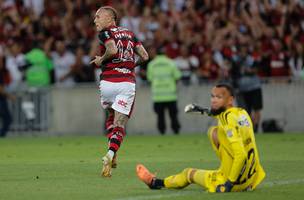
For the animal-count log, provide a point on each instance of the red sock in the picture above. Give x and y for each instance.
(116, 138)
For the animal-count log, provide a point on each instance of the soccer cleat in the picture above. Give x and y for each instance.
(114, 161)
(107, 166)
(144, 175)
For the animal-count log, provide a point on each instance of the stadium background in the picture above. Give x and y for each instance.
(202, 37)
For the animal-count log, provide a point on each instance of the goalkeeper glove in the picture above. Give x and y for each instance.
(226, 187)
(192, 108)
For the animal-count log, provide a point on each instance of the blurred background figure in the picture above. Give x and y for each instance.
(39, 68)
(5, 114)
(208, 69)
(296, 61)
(63, 61)
(187, 30)
(248, 84)
(14, 62)
(81, 70)
(163, 75)
(186, 64)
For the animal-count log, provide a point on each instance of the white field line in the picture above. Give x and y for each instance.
(282, 182)
(185, 193)
(158, 196)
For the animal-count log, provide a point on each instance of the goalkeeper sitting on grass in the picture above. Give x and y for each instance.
(233, 142)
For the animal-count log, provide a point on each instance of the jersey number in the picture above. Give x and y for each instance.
(247, 173)
(124, 54)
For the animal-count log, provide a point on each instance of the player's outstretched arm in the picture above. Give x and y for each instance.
(193, 108)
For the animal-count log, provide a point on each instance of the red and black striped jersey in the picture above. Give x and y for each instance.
(120, 68)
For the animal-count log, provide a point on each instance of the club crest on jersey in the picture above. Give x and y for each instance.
(229, 133)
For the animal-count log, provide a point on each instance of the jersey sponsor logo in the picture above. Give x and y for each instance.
(243, 121)
(122, 70)
(122, 103)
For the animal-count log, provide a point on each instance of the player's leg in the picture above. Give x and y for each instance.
(257, 106)
(180, 180)
(109, 120)
(118, 133)
(122, 106)
(159, 109)
(173, 113)
(6, 118)
(256, 117)
(109, 124)
(247, 97)
(115, 140)
(107, 97)
(208, 179)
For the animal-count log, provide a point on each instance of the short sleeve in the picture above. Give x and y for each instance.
(104, 36)
(136, 41)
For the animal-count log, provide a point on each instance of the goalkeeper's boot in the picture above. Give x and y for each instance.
(114, 161)
(107, 166)
(145, 176)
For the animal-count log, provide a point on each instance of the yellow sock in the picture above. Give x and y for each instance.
(188, 176)
(177, 181)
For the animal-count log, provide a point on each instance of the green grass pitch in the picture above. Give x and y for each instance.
(68, 167)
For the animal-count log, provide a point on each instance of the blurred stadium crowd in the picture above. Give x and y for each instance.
(45, 42)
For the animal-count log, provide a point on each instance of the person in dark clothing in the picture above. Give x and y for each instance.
(249, 84)
(4, 96)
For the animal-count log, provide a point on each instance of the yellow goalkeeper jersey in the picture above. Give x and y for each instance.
(241, 164)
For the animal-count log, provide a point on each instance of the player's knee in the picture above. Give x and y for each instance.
(212, 134)
(186, 171)
(120, 120)
(189, 173)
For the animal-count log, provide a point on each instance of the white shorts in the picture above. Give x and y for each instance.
(119, 96)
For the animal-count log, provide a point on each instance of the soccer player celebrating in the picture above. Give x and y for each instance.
(233, 142)
(117, 80)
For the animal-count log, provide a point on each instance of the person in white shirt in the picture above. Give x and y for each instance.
(63, 61)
